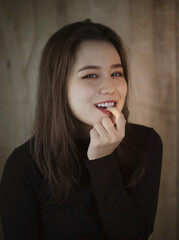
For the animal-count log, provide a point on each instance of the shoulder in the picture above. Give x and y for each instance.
(20, 177)
(150, 139)
(21, 160)
(144, 133)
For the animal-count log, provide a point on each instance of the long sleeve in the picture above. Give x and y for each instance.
(17, 199)
(127, 214)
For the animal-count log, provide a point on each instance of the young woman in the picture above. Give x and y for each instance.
(86, 173)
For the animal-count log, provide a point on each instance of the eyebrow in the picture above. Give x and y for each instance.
(117, 65)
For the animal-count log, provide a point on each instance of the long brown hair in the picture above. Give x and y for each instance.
(55, 151)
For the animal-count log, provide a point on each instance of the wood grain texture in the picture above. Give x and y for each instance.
(148, 28)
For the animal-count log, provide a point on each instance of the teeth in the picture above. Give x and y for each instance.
(111, 104)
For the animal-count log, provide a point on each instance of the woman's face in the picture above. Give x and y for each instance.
(97, 76)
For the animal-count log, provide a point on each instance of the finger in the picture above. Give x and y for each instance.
(115, 112)
(108, 124)
(120, 123)
(100, 129)
(94, 134)
(119, 106)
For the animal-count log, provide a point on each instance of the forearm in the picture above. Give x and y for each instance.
(119, 215)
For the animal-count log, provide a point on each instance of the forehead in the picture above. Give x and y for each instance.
(94, 52)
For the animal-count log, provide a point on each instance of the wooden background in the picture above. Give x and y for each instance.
(149, 29)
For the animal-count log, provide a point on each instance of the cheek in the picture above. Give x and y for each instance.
(88, 92)
(80, 94)
(122, 88)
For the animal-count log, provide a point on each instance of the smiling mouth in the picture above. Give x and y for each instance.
(105, 107)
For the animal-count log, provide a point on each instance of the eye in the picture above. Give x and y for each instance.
(90, 76)
(118, 74)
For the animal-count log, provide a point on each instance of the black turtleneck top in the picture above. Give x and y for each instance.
(101, 208)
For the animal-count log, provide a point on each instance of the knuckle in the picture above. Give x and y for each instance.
(105, 120)
(92, 131)
(96, 125)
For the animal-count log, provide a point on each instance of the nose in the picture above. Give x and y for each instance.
(107, 87)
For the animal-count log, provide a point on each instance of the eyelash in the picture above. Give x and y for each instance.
(94, 75)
